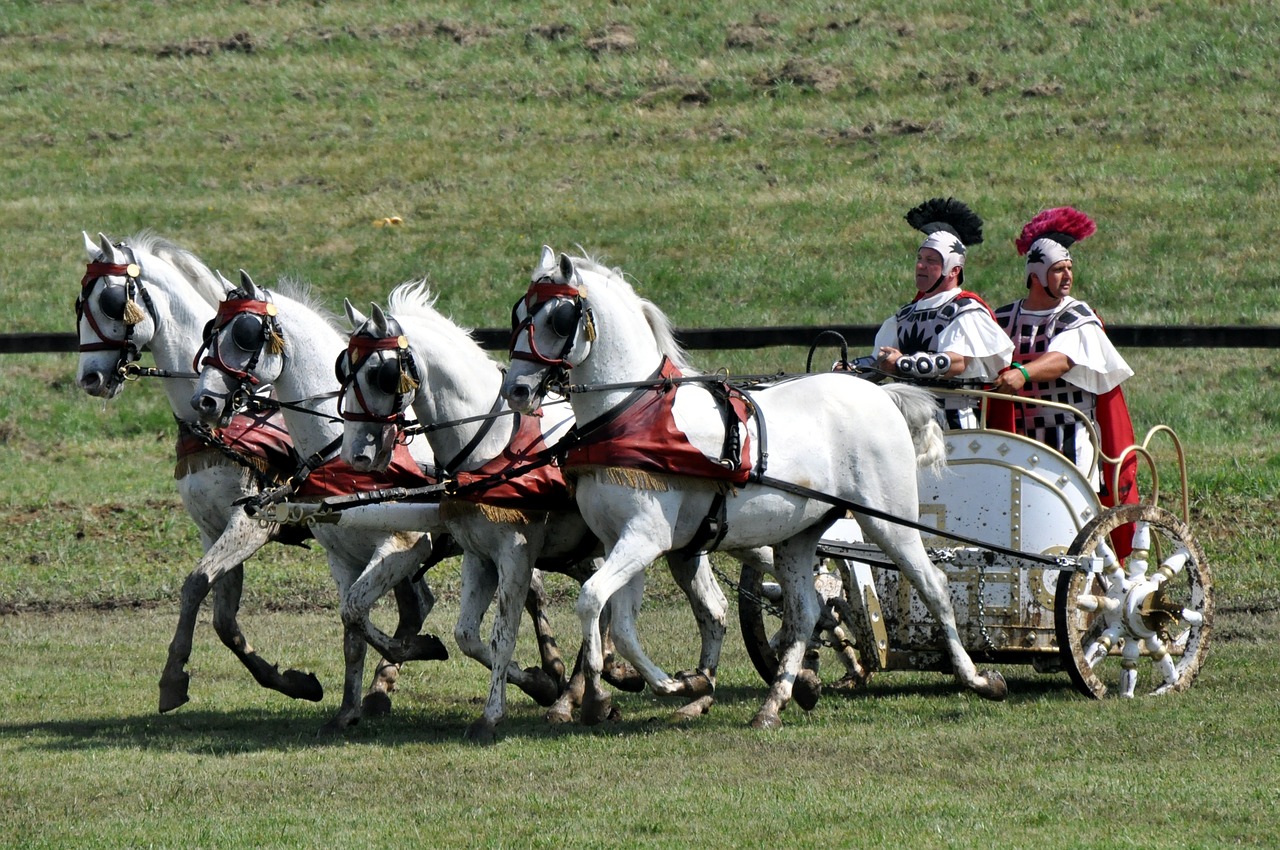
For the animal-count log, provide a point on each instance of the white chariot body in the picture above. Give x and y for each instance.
(1079, 609)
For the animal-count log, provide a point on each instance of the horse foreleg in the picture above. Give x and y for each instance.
(514, 581)
(389, 568)
(242, 537)
(226, 605)
(349, 713)
(624, 580)
(793, 566)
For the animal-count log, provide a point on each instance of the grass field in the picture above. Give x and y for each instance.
(746, 167)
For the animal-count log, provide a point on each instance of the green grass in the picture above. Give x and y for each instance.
(912, 762)
(745, 167)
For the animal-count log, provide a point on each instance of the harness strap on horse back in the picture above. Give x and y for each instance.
(810, 493)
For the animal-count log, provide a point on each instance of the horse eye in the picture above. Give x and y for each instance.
(387, 378)
(246, 333)
(564, 319)
(111, 302)
(342, 368)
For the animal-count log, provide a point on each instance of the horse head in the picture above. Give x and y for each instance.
(552, 330)
(380, 379)
(115, 317)
(244, 351)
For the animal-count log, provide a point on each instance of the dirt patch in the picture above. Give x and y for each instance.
(241, 42)
(554, 32)
(616, 38)
(747, 37)
(1044, 90)
(874, 132)
(804, 74)
(680, 94)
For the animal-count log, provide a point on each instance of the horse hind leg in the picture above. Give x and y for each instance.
(793, 567)
(904, 547)
(536, 604)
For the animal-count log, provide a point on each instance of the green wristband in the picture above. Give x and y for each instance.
(1023, 370)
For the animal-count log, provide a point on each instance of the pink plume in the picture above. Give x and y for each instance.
(1063, 221)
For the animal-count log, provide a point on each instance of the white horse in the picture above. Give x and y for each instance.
(831, 433)
(416, 356)
(149, 294)
(259, 338)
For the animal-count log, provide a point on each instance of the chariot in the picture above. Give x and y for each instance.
(1117, 626)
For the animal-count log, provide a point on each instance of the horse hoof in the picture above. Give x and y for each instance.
(376, 704)
(173, 692)
(428, 648)
(541, 687)
(301, 685)
(481, 732)
(695, 684)
(807, 689)
(596, 708)
(697, 708)
(996, 689)
(559, 714)
(624, 677)
(766, 720)
(341, 722)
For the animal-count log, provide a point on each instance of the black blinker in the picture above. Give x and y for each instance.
(564, 318)
(246, 333)
(387, 378)
(112, 300)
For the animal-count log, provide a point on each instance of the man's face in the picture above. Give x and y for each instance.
(1058, 280)
(929, 269)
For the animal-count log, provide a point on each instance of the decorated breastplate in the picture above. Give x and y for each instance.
(1031, 334)
(919, 329)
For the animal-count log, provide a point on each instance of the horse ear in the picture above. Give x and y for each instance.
(108, 250)
(546, 262)
(379, 319)
(227, 286)
(251, 289)
(354, 316)
(567, 270)
(90, 249)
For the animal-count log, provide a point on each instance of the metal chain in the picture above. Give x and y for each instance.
(765, 605)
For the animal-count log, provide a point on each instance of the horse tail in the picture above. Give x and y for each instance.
(924, 419)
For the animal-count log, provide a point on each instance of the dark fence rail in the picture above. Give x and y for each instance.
(858, 336)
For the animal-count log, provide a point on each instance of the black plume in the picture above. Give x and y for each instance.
(947, 214)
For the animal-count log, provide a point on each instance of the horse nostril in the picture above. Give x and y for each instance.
(519, 394)
(204, 404)
(91, 381)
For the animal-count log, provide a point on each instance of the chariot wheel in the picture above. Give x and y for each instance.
(835, 655)
(1142, 625)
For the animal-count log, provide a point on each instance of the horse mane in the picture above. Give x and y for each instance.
(193, 270)
(659, 324)
(300, 291)
(415, 298)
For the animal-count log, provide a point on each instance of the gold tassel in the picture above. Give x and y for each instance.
(275, 342)
(636, 479)
(494, 513)
(133, 314)
(407, 383)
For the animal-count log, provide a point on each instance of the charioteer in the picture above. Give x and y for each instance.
(946, 331)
